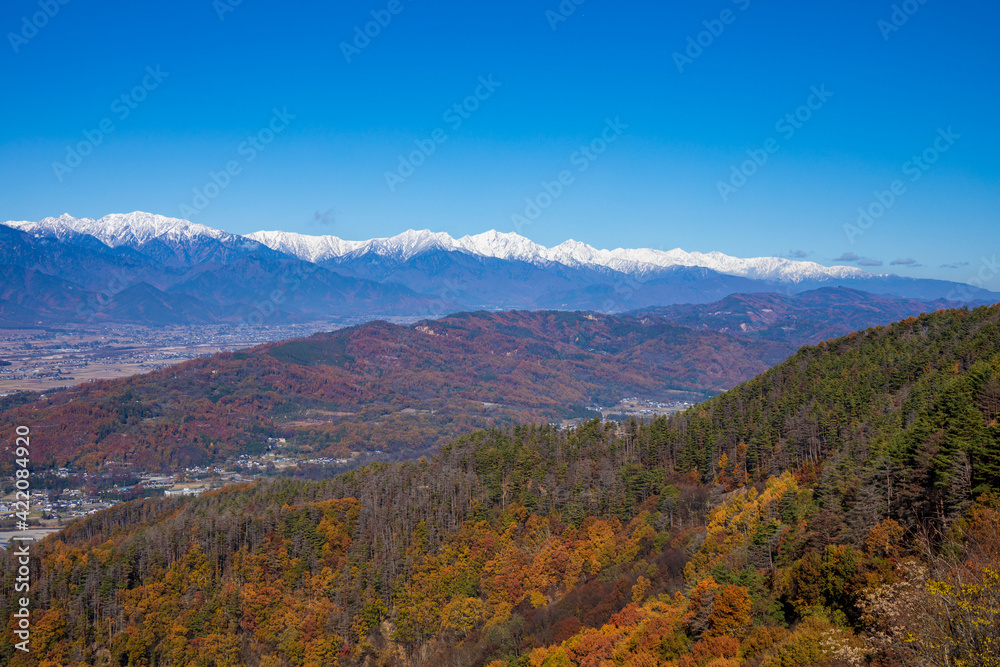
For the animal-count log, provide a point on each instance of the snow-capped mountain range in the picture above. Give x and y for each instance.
(138, 228)
(512, 246)
(122, 229)
(145, 263)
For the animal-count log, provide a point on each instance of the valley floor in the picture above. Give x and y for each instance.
(46, 358)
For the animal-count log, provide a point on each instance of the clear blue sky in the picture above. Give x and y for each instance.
(657, 185)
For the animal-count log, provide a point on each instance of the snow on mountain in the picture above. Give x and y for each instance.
(511, 246)
(138, 228)
(308, 248)
(406, 245)
(131, 229)
(758, 268)
(403, 246)
(508, 246)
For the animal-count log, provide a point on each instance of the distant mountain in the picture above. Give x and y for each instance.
(170, 241)
(513, 247)
(484, 268)
(150, 269)
(283, 276)
(128, 229)
(285, 289)
(798, 319)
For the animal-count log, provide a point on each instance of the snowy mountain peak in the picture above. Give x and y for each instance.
(500, 245)
(410, 243)
(309, 248)
(118, 229)
(514, 247)
(576, 253)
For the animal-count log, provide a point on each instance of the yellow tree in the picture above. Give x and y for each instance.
(730, 611)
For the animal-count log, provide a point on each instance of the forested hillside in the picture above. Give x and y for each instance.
(840, 509)
(801, 319)
(916, 402)
(408, 389)
(400, 389)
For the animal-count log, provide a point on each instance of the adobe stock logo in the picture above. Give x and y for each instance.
(914, 168)
(122, 107)
(455, 116)
(223, 7)
(363, 35)
(989, 269)
(581, 160)
(899, 17)
(696, 44)
(787, 126)
(248, 149)
(562, 13)
(31, 25)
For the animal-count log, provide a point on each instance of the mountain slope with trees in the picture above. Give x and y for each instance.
(407, 389)
(840, 509)
(918, 400)
(399, 389)
(799, 319)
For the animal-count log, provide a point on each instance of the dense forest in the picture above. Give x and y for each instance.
(841, 509)
(399, 389)
(409, 389)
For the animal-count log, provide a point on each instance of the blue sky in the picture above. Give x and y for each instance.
(668, 125)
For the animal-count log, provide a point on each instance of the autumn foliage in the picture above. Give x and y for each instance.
(853, 521)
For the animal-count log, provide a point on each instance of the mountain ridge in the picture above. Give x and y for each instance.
(512, 246)
(139, 227)
(415, 274)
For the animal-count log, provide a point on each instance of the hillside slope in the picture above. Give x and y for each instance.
(799, 319)
(382, 386)
(409, 388)
(919, 399)
(633, 544)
